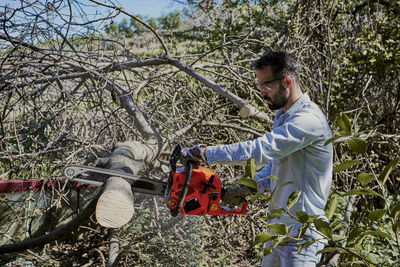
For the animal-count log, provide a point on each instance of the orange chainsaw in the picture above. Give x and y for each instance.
(190, 191)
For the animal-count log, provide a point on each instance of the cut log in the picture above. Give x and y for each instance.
(115, 205)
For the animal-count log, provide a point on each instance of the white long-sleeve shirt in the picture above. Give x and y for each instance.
(293, 151)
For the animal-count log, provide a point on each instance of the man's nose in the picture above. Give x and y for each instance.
(264, 92)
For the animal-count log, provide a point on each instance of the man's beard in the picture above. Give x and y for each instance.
(279, 100)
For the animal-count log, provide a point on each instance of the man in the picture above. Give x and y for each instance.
(294, 152)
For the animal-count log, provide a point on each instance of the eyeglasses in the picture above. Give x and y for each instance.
(266, 84)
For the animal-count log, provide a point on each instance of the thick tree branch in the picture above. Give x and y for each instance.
(246, 109)
(125, 100)
(232, 126)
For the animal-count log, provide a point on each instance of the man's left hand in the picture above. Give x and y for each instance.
(236, 194)
(194, 154)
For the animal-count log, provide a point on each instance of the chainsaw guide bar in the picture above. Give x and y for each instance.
(97, 176)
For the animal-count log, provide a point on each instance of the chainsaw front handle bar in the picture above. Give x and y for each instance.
(185, 188)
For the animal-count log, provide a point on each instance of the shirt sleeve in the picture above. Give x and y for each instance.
(297, 132)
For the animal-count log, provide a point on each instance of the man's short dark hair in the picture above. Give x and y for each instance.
(282, 64)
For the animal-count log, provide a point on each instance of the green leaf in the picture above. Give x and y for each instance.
(329, 249)
(267, 251)
(376, 215)
(275, 214)
(395, 212)
(365, 178)
(396, 227)
(355, 233)
(306, 245)
(331, 207)
(247, 182)
(283, 241)
(344, 122)
(362, 192)
(276, 211)
(339, 225)
(302, 216)
(263, 237)
(293, 198)
(338, 238)
(278, 228)
(266, 197)
(311, 218)
(384, 175)
(377, 233)
(323, 227)
(253, 198)
(251, 168)
(345, 165)
(302, 230)
(358, 145)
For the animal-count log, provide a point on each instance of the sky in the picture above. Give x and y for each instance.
(150, 8)
(84, 10)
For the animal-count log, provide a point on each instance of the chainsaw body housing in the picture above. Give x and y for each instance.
(203, 195)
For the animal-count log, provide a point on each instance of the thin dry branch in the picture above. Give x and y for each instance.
(137, 19)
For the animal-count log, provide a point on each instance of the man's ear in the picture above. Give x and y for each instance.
(287, 82)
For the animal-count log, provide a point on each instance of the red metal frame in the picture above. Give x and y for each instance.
(21, 186)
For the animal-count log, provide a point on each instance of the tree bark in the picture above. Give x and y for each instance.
(114, 250)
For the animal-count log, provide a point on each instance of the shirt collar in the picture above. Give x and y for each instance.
(296, 106)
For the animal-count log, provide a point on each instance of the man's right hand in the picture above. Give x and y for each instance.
(236, 194)
(194, 154)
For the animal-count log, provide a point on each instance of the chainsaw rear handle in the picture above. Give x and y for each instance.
(234, 211)
(185, 188)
